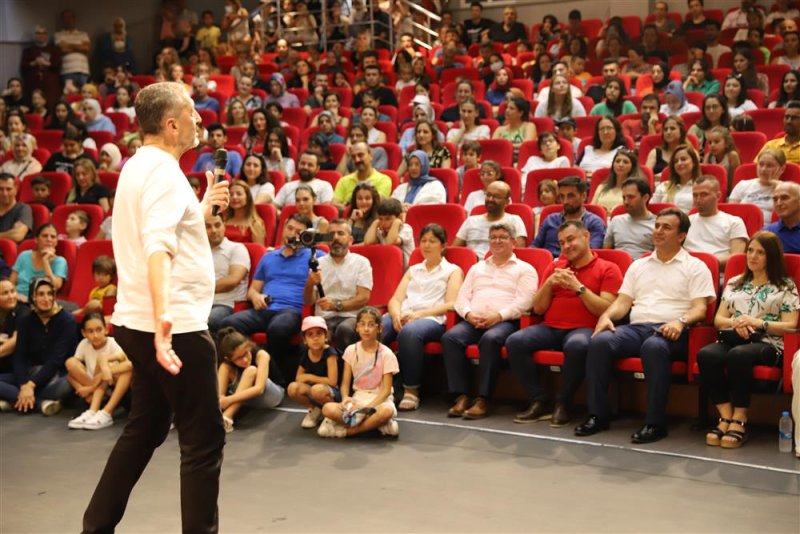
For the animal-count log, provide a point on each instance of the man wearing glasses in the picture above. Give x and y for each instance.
(789, 144)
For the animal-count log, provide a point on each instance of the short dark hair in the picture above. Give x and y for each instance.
(641, 185)
(573, 181)
(104, 265)
(302, 219)
(476, 4)
(575, 14)
(214, 126)
(390, 206)
(578, 224)
(651, 96)
(712, 22)
(610, 61)
(436, 230)
(5, 176)
(684, 222)
(41, 180)
(793, 104)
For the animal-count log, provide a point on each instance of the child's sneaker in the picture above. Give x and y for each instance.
(227, 422)
(329, 429)
(311, 420)
(390, 429)
(78, 422)
(51, 407)
(101, 419)
(6, 406)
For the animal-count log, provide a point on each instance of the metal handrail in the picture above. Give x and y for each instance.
(427, 30)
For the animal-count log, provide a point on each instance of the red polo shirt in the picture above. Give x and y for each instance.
(567, 310)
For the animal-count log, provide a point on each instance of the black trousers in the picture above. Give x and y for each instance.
(190, 397)
(727, 372)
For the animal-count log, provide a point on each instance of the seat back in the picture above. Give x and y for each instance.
(328, 211)
(464, 257)
(748, 144)
(95, 213)
(60, 185)
(768, 121)
(8, 251)
(83, 278)
(449, 178)
(499, 150)
(448, 216)
(621, 257)
(531, 197)
(387, 267)
(256, 252)
(269, 215)
(48, 139)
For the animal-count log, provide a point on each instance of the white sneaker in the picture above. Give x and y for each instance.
(78, 422)
(390, 429)
(101, 419)
(51, 407)
(329, 429)
(227, 423)
(312, 418)
(6, 406)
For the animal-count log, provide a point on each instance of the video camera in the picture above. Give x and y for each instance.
(310, 239)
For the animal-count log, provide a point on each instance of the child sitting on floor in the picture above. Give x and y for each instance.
(369, 367)
(243, 376)
(98, 364)
(317, 379)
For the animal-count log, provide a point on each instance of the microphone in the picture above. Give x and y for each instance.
(220, 162)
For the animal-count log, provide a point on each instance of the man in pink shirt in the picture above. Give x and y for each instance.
(495, 293)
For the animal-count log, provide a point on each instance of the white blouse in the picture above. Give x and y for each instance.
(427, 288)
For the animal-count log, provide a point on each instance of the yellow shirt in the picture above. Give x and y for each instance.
(792, 151)
(99, 293)
(347, 184)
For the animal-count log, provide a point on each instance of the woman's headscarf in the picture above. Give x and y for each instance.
(35, 284)
(675, 88)
(113, 151)
(663, 83)
(29, 141)
(429, 111)
(416, 184)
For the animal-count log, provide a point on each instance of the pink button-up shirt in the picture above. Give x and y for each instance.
(507, 289)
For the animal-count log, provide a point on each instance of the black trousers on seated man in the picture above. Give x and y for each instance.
(190, 399)
(657, 354)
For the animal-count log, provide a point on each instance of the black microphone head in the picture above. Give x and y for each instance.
(220, 158)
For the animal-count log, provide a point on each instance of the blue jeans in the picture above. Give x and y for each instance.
(57, 389)
(411, 344)
(490, 342)
(657, 355)
(279, 326)
(218, 313)
(574, 343)
(78, 78)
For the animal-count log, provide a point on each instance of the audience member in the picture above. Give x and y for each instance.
(362, 159)
(713, 47)
(758, 191)
(575, 290)
(474, 232)
(390, 228)
(786, 205)
(16, 218)
(40, 65)
(607, 139)
(217, 138)
(495, 293)
(789, 144)
(231, 265)
(307, 168)
(22, 162)
(673, 135)
(665, 293)
(684, 169)
(509, 30)
(71, 152)
(632, 231)
(87, 188)
(648, 124)
(74, 45)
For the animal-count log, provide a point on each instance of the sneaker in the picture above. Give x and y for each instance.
(390, 429)
(51, 407)
(79, 421)
(329, 429)
(6, 406)
(311, 420)
(102, 419)
(227, 423)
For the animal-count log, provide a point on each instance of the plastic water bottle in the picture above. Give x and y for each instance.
(785, 433)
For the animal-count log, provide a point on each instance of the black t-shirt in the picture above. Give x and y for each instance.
(93, 195)
(20, 212)
(516, 33)
(61, 163)
(473, 30)
(451, 114)
(385, 97)
(319, 368)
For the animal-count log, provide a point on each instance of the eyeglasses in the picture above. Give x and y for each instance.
(499, 238)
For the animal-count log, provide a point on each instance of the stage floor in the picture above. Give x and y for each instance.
(440, 475)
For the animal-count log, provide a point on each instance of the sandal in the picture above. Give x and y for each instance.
(714, 436)
(409, 403)
(739, 437)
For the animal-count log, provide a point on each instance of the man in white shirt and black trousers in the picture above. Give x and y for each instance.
(166, 288)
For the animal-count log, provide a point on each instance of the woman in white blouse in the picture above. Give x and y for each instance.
(560, 103)
(758, 191)
(417, 309)
(608, 138)
(736, 93)
(549, 146)
(471, 129)
(22, 162)
(684, 169)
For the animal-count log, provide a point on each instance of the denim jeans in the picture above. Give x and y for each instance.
(57, 389)
(411, 344)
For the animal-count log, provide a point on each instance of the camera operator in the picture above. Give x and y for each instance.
(346, 280)
(276, 294)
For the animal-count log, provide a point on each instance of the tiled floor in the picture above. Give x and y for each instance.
(441, 475)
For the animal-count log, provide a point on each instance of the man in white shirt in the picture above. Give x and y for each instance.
(632, 231)
(713, 46)
(346, 280)
(75, 45)
(166, 289)
(738, 19)
(474, 232)
(495, 293)
(307, 168)
(665, 293)
(713, 231)
(231, 265)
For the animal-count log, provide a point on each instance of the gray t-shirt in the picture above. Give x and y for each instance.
(634, 236)
(20, 212)
(285, 196)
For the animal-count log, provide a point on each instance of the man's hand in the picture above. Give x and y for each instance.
(217, 194)
(490, 320)
(672, 330)
(326, 304)
(260, 302)
(566, 279)
(397, 322)
(26, 399)
(314, 278)
(163, 342)
(604, 323)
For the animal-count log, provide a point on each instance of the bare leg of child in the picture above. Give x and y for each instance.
(97, 396)
(300, 392)
(321, 394)
(381, 416)
(78, 378)
(122, 382)
(247, 380)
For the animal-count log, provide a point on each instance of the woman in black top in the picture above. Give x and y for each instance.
(87, 188)
(11, 312)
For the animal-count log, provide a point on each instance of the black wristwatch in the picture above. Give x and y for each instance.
(765, 326)
(337, 305)
(581, 290)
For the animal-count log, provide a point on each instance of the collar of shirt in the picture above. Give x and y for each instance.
(588, 264)
(783, 226)
(680, 256)
(785, 143)
(511, 260)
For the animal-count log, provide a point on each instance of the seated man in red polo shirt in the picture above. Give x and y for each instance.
(576, 289)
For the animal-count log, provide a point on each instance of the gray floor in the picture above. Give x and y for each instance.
(441, 475)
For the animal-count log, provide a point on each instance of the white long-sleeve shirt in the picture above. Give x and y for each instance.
(157, 211)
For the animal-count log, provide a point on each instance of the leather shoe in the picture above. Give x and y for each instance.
(591, 426)
(478, 410)
(537, 411)
(460, 406)
(649, 434)
(560, 416)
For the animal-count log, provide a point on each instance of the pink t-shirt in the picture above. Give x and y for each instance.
(369, 367)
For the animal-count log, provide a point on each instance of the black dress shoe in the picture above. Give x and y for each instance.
(560, 416)
(591, 426)
(537, 411)
(649, 434)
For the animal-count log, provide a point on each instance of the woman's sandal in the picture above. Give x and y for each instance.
(739, 437)
(410, 402)
(714, 436)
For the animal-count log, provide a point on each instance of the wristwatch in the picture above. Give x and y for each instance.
(337, 305)
(683, 320)
(581, 290)
(765, 326)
